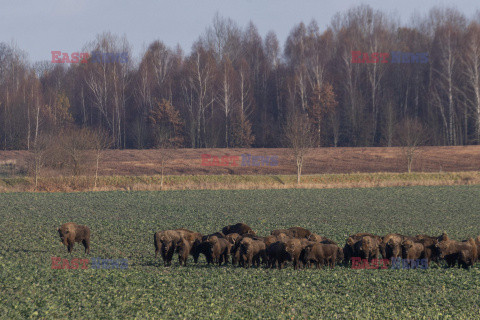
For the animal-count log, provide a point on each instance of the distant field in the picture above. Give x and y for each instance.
(319, 161)
(323, 168)
(123, 224)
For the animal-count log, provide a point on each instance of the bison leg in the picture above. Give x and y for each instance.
(86, 244)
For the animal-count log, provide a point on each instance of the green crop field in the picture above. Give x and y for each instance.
(123, 224)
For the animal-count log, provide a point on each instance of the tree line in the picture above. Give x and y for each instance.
(237, 89)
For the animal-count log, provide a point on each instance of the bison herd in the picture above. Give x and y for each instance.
(239, 244)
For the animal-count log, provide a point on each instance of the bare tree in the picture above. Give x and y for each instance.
(100, 142)
(471, 61)
(299, 138)
(166, 126)
(76, 146)
(38, 155)
(410, 136)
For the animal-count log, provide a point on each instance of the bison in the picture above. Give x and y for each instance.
(277, 254)
(251, 251)
(165, 242)
(293, 232)
(294, 248)
(183, 249)
(465, 252)
(219, 249)
(70, 233)
(412, 250)
(352, 248)
(240, 228)
(323, 254)
(391, 245)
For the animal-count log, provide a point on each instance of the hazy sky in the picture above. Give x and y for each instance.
(41, 26)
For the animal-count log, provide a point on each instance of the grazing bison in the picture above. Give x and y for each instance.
(293, 232)
(299, 232)
(240, 228)
(279, 231)
(323, 254)
(318, 238)
(219, 249)
(251, 251)
(71, 233)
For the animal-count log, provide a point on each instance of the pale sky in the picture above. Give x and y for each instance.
(41, 26)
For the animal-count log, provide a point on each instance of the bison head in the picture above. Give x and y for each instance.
(212, 240)
(442, 248)
(63, 233)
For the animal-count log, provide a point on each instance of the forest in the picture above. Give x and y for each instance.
(235, 88)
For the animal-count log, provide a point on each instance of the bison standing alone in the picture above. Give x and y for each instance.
(71, 233)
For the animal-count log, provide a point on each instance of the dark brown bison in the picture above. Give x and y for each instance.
(201, 247)
(477, 242)
(294, 248)
(240, 228)
(293, 232)
(323, 254)
(391, 245)
(268, 240)
(183, 249)
(429, 243)
(252, 251)
(190, 236)
(315, 237)
(71, 233)
(235, 251)
(465, 252)
(368, 247)
(233, 237)
(277, 255)
(165, 242)
(412, 250)
(466, 258)
(279, 231)
(219, 249)
(274, 238)
(299, 232)
(351, 249)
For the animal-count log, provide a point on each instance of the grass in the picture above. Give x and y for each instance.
(123, 223)
(216, 182)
